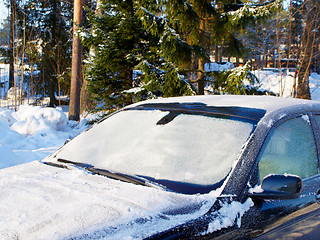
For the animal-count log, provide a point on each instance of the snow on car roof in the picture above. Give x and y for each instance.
(267, 103)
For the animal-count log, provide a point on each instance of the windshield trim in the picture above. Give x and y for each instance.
(250, 115)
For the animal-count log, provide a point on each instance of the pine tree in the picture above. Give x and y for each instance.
(74, 106)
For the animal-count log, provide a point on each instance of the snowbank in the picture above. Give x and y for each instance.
(32, 133)
(283, 85)
(4, 78)
(274, 82)
(314, 84)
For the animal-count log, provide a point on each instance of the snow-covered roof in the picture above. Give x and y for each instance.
(218, 67)
(267, 103)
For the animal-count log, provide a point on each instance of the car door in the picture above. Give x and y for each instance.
(290, 149)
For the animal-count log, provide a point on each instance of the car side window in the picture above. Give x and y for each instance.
(317, 117)
(291, 149)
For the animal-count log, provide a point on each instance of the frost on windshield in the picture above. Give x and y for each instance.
(189, 148)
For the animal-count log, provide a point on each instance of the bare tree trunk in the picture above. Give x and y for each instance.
(74, 107)
(201, 76)
(201, 63)
(51, 89)
(59, 84)
(216, 53)
(282, 83)
(11, 61)
(22, 60)
(307, 47)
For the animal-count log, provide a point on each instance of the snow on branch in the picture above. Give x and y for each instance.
(150, 21)
(252, 11)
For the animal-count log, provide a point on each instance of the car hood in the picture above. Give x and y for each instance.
(38, 201)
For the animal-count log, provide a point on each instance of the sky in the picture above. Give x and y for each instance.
(3, 11)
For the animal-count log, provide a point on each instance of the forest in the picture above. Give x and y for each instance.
(133, 50)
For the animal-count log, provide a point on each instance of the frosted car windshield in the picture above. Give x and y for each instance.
(162, 146)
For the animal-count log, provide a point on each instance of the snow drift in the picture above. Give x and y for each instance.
(32, 133)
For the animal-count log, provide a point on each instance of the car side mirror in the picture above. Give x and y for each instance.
(279, 187)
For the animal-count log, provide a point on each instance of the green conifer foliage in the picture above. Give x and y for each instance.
(114, 37)
(127, 55)
(190, 29)
(158, 46)
(232, 81)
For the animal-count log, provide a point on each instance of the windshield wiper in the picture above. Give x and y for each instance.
(106, 173)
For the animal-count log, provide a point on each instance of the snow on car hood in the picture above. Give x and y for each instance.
(38, 201)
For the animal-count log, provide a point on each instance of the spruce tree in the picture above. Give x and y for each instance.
(124, 48)
(196, 26)
(169, 41)
(114, 36)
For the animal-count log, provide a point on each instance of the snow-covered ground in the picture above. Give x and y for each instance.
(282, 85)
(314, 80)
(273, 82)
(32, 133)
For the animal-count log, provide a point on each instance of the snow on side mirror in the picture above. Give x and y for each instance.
(278, 187)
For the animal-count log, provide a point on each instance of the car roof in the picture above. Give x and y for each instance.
(267, 103)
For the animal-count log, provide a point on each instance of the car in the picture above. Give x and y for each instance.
(200, 167)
